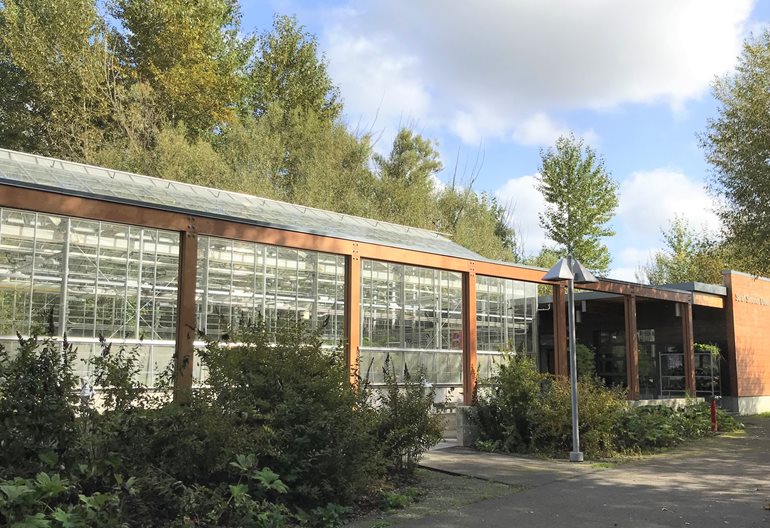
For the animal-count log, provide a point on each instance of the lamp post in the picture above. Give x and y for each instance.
(573, 272)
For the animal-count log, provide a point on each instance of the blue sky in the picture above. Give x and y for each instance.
(502, 79)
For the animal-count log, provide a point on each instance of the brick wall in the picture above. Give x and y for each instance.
(747, 310)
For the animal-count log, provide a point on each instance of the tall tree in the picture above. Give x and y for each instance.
(405, 190)
(57, 76)
(478, 222)
(737, 145)
(191, 53)
(581, 199)
(290, 72)
(688, 255)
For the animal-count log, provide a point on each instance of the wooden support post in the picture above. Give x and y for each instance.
(470, 364)
(559, 331)
(353, 313)
(185, 319)
(632, 348)
(688, 347)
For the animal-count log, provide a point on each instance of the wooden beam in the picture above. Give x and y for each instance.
(632, 348)
(353, 314)
(559, 331)
(186, 322)
(470, 363)
(156, 217)
(638, 290)
(707, 299)
(688, 347)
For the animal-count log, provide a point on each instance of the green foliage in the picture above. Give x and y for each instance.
(405, 186)
(688, 256)
(37, 401)
(278, 436)
(600, 411)
(49, 500)
(57, 71)
(399, 499)
(478, 222)
(289, 74)
(290, 400)
(523, 410)
(502, 411)
(191, 54)
(737, 145)
(407, 425)
(117, 371)
(653, 427)
(586, 361)
(581, 199)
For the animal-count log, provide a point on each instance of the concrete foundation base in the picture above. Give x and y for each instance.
(746, 405)
(467, 431)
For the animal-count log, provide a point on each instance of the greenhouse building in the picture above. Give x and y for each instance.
(91, 252)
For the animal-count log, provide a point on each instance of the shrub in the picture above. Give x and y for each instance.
(290, 399)
(407, 425)
(317, 443)
(37, 402)
(116, 373)
(586, 361)
(652, 427)
(600, 409)
(503, 409)
(523, 410)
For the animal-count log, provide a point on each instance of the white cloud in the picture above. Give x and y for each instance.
(541, 130)
(626, 262)
(379, 88)
(624, 273)
(483, 69)
(526, 203)
(649, 200)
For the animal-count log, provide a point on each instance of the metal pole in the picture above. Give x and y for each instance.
(575, 455)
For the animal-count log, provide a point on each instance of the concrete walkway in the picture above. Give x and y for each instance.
(717, 482)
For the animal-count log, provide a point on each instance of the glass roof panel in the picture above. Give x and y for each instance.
(26, 170)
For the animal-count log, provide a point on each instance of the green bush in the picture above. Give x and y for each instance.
(503, 409)
(407, 425)
(290, 399)
(653, 427)
(586, 361)
(278, 436)
(522, 410)
(600, 409)
(37, 404)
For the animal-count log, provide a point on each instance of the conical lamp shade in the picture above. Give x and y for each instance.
(559, 272)
(582, 275)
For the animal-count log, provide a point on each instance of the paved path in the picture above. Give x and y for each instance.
(717, 482)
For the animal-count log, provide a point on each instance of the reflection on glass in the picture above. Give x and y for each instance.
(413, 316)
(240, 283)
(506, 320)
(86, 278)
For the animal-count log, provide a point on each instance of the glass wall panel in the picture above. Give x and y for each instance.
(240, 282)
(413, 316)
(89, 279)
(506, 319)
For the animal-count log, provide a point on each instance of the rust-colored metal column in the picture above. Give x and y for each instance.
(688, 347)
(470, 368)
(632, 348)
(559, 331)
(353, 313)
(185, 319)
